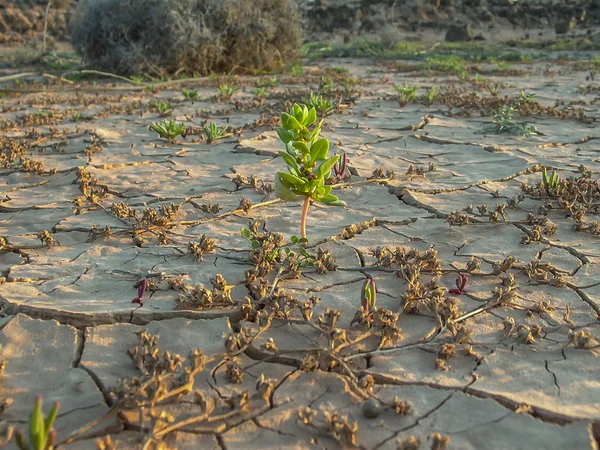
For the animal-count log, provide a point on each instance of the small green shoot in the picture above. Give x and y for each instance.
(406, 93)
(307, 162)
(504, 123)
(322, 105)
(494, 89)
(162, 108)
(327, 85)
(213, 133)
(41, 433)
(75, 116)
(226, 91)
(294, 249)
(553, 183)
(169, 129)
(260, 93)
(432, 94)
(190, 94)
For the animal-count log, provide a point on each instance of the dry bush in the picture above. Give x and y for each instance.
(195, 36)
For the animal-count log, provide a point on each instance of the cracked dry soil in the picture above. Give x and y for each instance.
(89, 206)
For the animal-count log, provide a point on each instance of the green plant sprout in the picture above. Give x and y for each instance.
(307, 162)
(190, 94)
(41, 434)
(213, 133)
(227, 90)
(169, 129)
(553, 183)
(322, 105)
(163, 108)
(293, 249)
(75, 116)
(504, 123)
(432, 94)
(494, 89)
(326, 85)
(260, 93)
(406, 93)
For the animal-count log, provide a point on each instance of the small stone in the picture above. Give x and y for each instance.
(459, 33)
(371, 408)
(565, 25)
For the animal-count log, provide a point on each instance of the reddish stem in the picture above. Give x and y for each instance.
(304, 216)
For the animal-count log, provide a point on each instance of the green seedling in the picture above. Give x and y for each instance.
(525, 98)
(41, 434)
(227, 91)
(368, 295)
(294, 249)
(553, 183)
(307, 162)
(432, 94)
(169, 129)
(406, 93)
(327, 85)
(349, 83)
(190, 94)
(260, 93)
(297, 70)
(75, 116)
(322, 105)
(494, 89)
(272, 82)
(504, 123)
(213, 133)
(162, 108)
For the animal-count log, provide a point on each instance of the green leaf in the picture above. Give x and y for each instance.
(50, 419)
(283, 192)
(291, 180)
(332, 200)
(284, 135)
(297, 112)
(314, 134)
(254, 244)
(36, 425)
(245, 233)
(285, 120)
(294, 239)
(290, 161)
(325, 168)
(311, 117)
(319, 150)
(324, 191)
(301, 147)
(295, 125)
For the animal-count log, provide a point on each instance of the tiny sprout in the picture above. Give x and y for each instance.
(213, 133)
(406, 93)
(260, 93)
(552, 183)
(163, 108)
(190, 94)
(41, 434)
(322, 105)
(461, 284)
(75, 116)
(227, 91)
(169, 129)
(368, 295)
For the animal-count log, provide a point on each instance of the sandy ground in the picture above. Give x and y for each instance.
(467, 371)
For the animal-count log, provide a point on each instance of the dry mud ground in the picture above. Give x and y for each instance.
(511, 363)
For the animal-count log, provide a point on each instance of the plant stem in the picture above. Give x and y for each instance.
(304, 215)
